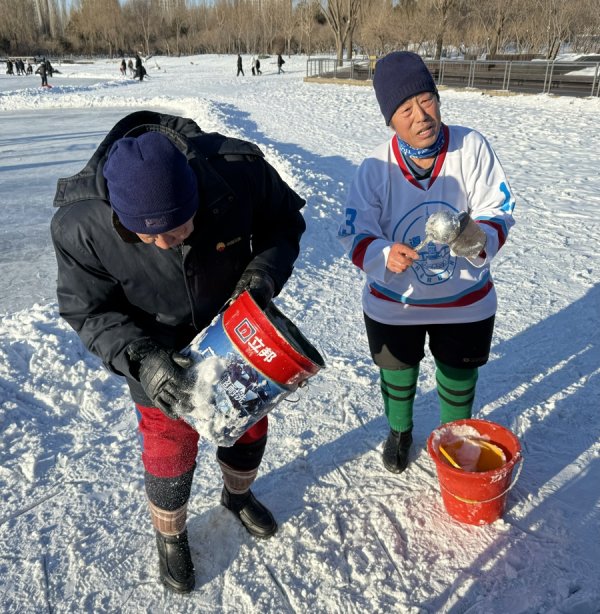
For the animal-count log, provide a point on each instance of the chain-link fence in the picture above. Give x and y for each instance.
(533, 77)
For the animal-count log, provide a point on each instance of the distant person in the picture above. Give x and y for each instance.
(139, 277)
(123, 68)
(280, 63)
(49, 69)
(258, 70)
(140, 71)
(239, 66)
(130, 67)
(29, 68)
(422, 284)
(42, 70)
(9, 67)
(253, 66)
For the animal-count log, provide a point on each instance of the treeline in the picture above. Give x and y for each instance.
(372, 27)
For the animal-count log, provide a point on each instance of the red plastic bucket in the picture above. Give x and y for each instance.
(477, 497)
(261, 358)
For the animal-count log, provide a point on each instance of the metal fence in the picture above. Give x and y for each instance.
(534, 77)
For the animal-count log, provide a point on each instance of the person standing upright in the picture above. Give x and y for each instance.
(421, 282)
(42, 71)
(240, 69)
(280, 63)
(139, 67)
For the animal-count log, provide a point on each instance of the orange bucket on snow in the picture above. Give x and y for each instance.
(476, 497)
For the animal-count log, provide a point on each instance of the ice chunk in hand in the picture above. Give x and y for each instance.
(458, 230)
(443, 227)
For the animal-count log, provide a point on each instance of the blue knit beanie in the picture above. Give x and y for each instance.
(400, 75)
(151, 186)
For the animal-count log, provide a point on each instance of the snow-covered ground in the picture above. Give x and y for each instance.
(74, 528)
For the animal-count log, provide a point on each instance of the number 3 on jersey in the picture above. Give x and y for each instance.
(348, 228)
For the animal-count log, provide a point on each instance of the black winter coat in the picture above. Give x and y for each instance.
(114, 289)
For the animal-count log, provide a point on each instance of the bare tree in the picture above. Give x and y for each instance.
(144, 14)
(175, 16)
(289, 23)
(440, 13)
(254, 26)
(342, 17)
(307, 11)
(269, 24)
(557, 16)
(108, 23)
(586, 27)
(18, 31)
(97, 26)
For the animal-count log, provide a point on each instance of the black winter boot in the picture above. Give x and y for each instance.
(175, 562)
(396, 449)
(257, 519)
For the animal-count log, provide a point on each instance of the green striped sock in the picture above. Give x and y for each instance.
(398, 388)
(456, 391)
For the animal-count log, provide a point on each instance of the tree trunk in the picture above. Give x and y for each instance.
(439, 45)
(339, 47)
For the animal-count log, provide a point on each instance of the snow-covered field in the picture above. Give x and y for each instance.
(74, 529)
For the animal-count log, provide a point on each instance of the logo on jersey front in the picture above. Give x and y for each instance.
(435, 265)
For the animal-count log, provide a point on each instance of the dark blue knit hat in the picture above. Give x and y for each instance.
(398, 76)
(151, 186)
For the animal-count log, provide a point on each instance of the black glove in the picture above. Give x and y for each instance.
(162, 374)
(259, 284)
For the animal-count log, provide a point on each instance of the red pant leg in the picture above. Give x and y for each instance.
(255, 432)
(169, 447)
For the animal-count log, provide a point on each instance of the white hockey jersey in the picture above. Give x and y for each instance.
(387, 205)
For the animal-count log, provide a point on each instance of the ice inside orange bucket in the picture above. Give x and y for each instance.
(470, 452)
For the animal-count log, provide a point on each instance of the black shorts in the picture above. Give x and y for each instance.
(456, 345)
